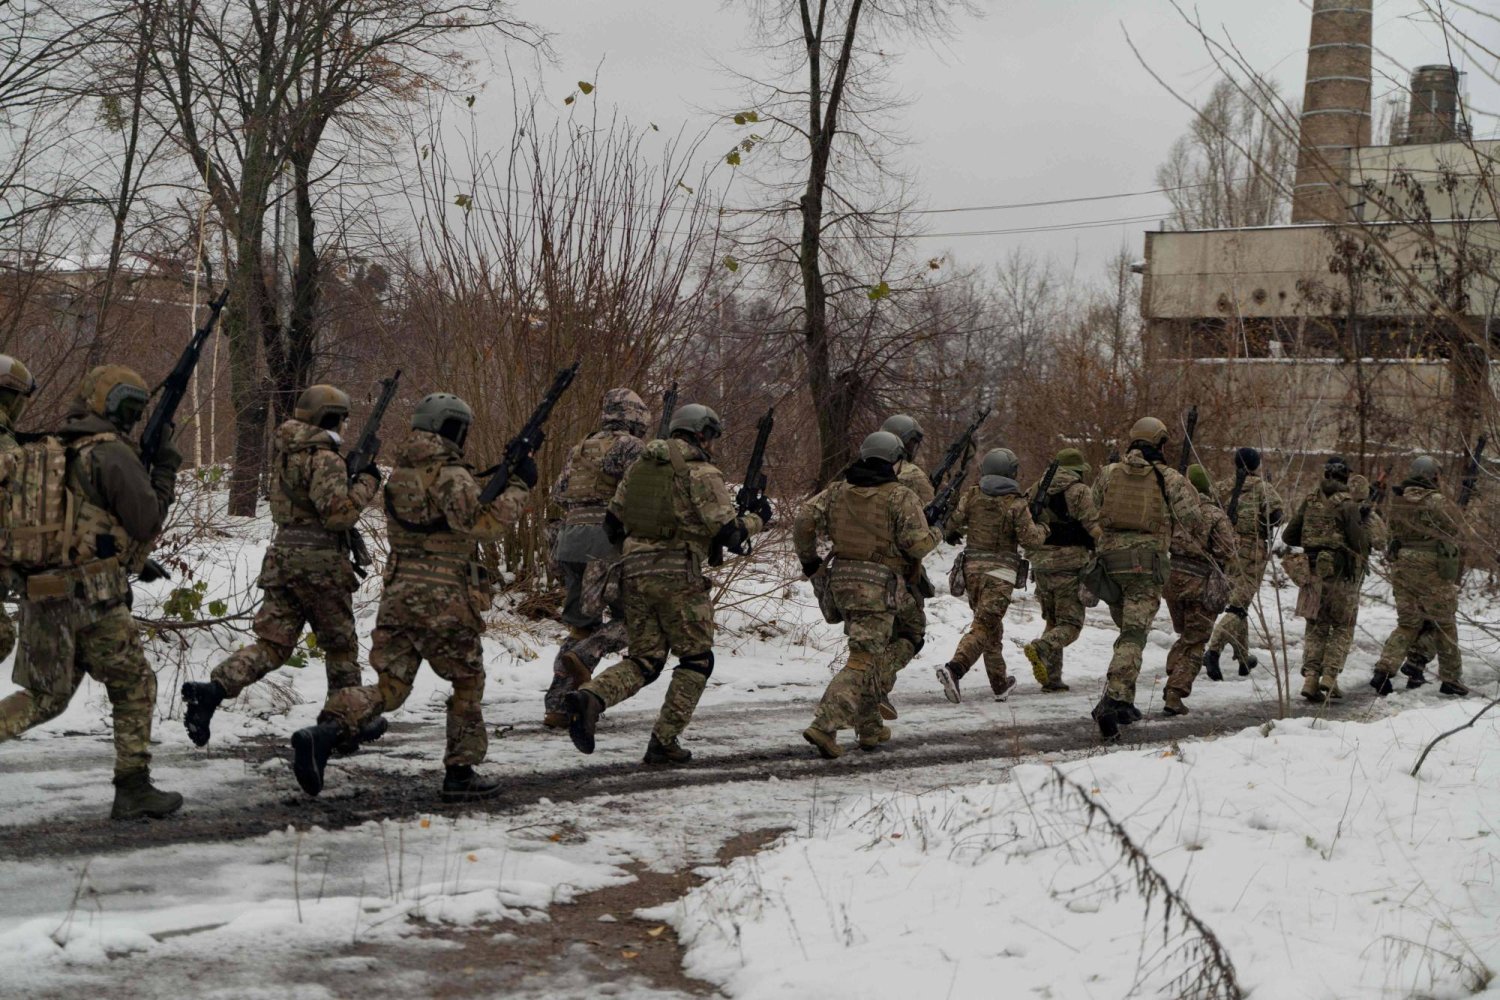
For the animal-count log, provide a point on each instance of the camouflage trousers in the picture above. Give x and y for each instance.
(1133, 615)
(61, 641)
(1330, 632)
(1062, 611)
(1233, 627)
(1193, 620)
(590, 639)
(1426, 610)
(877, 641)
(664, 614)
(7, 634)
(284, 610)
(989, 599)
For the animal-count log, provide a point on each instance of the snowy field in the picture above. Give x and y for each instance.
(937, 867)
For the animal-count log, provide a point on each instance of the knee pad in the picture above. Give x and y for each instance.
(650, 669)
(703, 664)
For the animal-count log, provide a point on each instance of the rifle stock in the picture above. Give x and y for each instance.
(1039, 501)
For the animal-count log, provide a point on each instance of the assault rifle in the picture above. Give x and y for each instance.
(1470, 484)
(958, 452)
(1190, 427)
(175, 386)
(942, 504)
(752, 491)
(1240, 475)
(361, 458)
(668, 404)
(1039, 500)
(530, 438)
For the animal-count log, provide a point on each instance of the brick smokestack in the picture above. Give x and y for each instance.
(1335, 108)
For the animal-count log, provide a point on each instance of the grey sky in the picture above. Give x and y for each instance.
(1038, 100)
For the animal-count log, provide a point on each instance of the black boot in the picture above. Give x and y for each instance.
(136, 797)
(658, 752)
(1455, 688)
(1381, 682)
(1211, 665)
(1415, 675)
(311, 748)
(464, 784)
(1107, 716)
(200, 699)
(1248, 664)
(584, 709)
(368, 733)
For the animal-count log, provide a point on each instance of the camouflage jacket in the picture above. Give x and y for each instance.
(313, 504)
(910, 475)
(1329, 518)
(868, 520)
(1214, 538)
(996, 517)
(700, 501)
(1258, 511)
(594, 468)
(1071, 521)
(1423, 519)
(1179, 501)
(114, 479)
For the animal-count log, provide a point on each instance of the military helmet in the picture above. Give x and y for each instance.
(1198, 476)
(1000, 462)
(623, 406)
(695, 418)
(444, 414)
(882, 446)
(1359, 488)
(115, 393)
(1336, 468)
(16, 387)
(1071, 458)
(1149, 430)
(906, 429)
(1426, 468)
(323, 406)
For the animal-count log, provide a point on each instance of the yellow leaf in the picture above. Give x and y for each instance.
(585, 86)
(630, 954)
(657, 931)
(473, 857)
(425, 823)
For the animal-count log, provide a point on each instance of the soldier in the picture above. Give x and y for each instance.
(1256, 509)
(1329, 527)
(915, 478)
(669, 510)
(16, 389)
(75, 612)
(1141, 499)
(306, 577)
(880, 535)
(1072, 524)
(584, 490)
(1426, 563)
(1196, 589)
(437, 589)
(997, 519)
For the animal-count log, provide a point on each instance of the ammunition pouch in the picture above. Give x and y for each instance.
(860, 586)
(1332, 564)
(1096, 581)
(102, 581)
(661, 564)
(1214, 588)
(824, 593)
(592, 516)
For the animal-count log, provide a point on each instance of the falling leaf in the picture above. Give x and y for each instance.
(473, 857)
(630, 954)
(556, 838)
(425, 823)
(935, 263)
(469, 100)
(569, 99)
(880, 291)
(895, 836)
(733, 159)
(731, 264)
(656, 931)
(463, 201)
(585, 86)
(740, 119)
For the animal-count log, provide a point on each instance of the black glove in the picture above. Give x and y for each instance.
(811, 566)
(153, 571)
(614, 528)
(526, 472)
(732, 536)
(761, 508)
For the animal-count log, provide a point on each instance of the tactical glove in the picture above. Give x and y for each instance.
(732, 536)
(614, 528)
(168, 457)
(762, 509)
(811, 566)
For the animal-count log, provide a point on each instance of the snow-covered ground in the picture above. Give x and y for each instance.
(859, 905)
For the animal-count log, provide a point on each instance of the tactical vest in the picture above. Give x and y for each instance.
(859, 524)
(1248, 516)
(1133, 500)
(291, 500)
(1063, 529)
(648, 510)
(991, 524)
(1415, 524)
(1321, 526)
(51, 521)
(426, 547)
(588, 483)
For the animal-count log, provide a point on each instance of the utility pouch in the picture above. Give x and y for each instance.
(860, 586)
(957, 585)
(1326, 564)
(823, 591)
(1097, 581)
(1449, 567)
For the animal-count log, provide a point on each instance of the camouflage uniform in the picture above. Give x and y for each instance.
(996, 519)
(910, 475)
(1329, 527)
(1072, 524)
(880, 535)
(75, 620)
(1425, 530)
(1195, 592)
(1140, 500)
(1258, 511)
(589, 478)
(306, 576)
(436, 590)
(665, 595)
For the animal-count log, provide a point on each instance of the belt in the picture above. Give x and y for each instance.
(592, 516)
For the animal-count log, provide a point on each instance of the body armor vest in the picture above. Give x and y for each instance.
(992, 522)
(1414, 524)
(1133, 499)
(588, 484)
(859, 524)
(1321, 528)
(427, 549)
(647, 508)
(291, 502)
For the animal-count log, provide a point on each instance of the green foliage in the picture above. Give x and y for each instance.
(185, 603)
(464, 201)
(209, 475)
(880, 291)
(731, 264)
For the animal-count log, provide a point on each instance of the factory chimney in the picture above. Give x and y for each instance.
(1335, 108)
(1435, 116)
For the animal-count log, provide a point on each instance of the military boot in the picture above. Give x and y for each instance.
(1171, 703)
(1211, 665)
(1108, 718)
(1039, 667)
(1381, 682)
(886, 709)
(584, 709)
(311, 748)
(1456, 689)
(1330, 685)
(136, 797)
(948, 676)
(200, 699)
(368, 733)
(1312, 689)
(658, 752)
(1248, 664)
(1000, 686)
(574, 669)
(827, 743)
(462, 783)
(1415, 675)
(872, 739)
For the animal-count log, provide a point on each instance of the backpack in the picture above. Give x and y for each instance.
(40, 508)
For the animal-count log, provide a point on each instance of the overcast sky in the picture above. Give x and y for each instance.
(1037, 100)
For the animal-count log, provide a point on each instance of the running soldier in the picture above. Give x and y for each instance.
(1141, 500)
(16, 389)
(1072, 524)
(74, 588)
(437, 588)
(583, 551)
(1196, 589)
(306, 577)
(880, 536)
(915, 478)
(1329, 527)
(670, 510)
(1255, 509)
(996, 517)
(1426, 553)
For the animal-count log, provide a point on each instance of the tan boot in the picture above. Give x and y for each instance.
(1171, 703)
(1038, 668)
(1312, 689)
(827, 743)
(873, 739)
(1329, 684)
